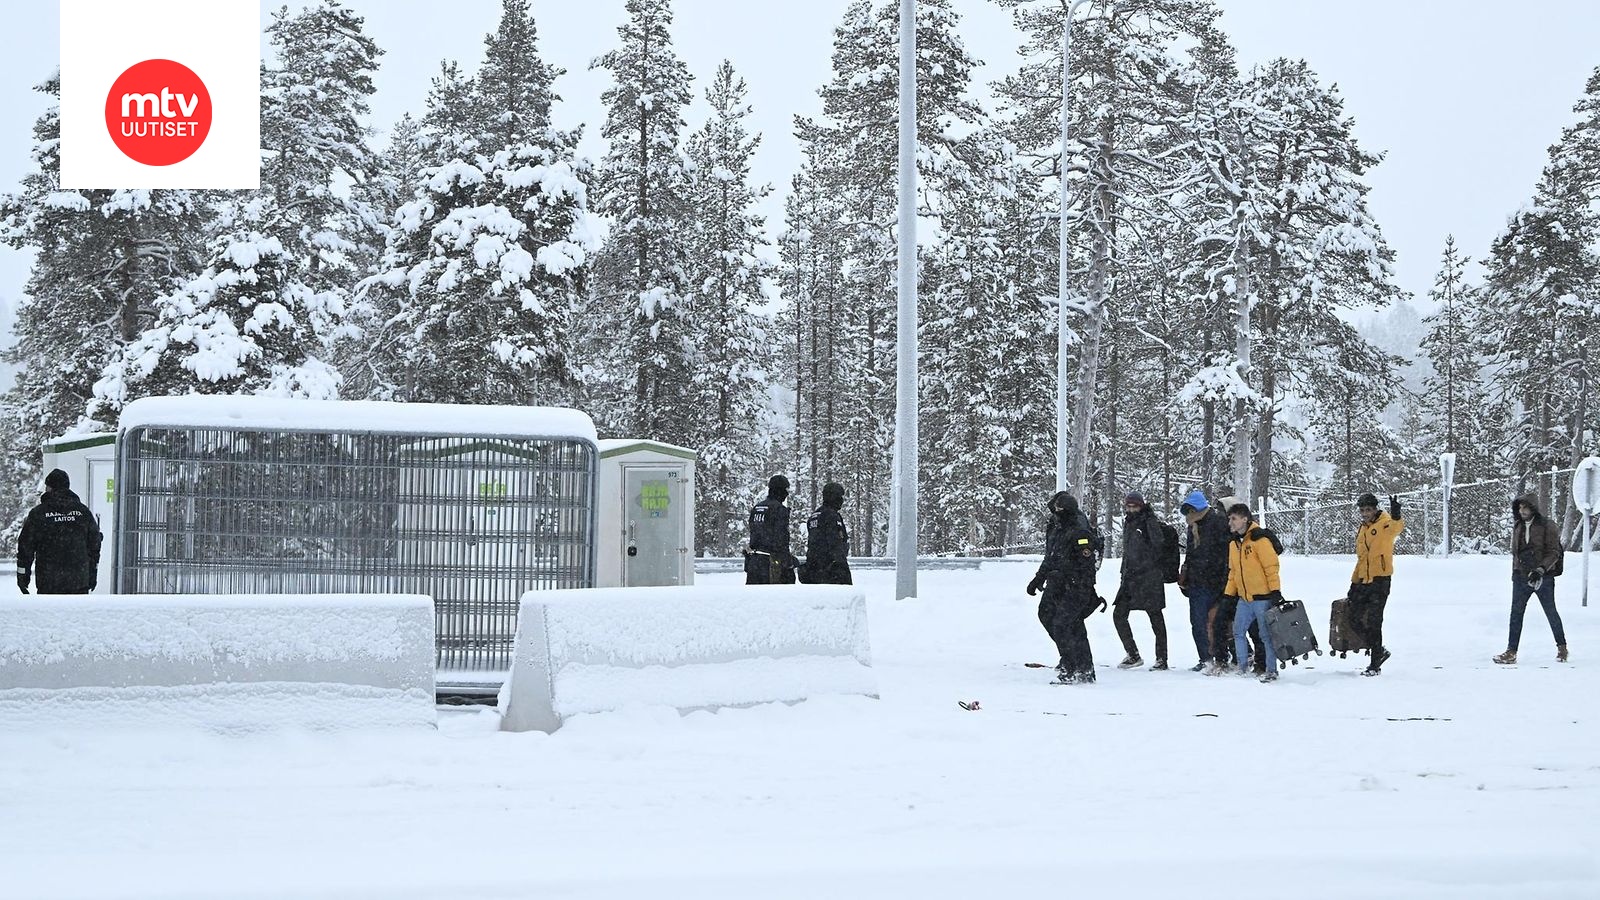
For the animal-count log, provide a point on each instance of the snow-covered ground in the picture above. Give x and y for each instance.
(1446, 777)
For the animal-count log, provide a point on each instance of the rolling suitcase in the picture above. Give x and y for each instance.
(1290, 629)
(1343, 635)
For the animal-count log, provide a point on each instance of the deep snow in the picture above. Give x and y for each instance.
(1446, 777)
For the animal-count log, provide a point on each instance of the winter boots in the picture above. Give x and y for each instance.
(1131, 662)
(1508, 658)
(1561, 653)
(1267, 677)
(1200, 666)
(1160, 666)
(1376, 664)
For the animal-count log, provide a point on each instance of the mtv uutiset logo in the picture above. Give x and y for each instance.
(158, 127)
(160, 94)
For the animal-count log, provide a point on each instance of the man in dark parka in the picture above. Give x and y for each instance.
(1143, 581)
(827, 541)
(59, 546)
(1067, 577)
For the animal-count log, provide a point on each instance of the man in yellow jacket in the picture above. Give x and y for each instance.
(1253, 580)
(1369, 584)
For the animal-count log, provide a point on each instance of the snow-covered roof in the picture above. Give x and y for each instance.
(282, 414)
(615, 446)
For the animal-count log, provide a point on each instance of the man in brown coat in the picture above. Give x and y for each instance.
(1536, 556)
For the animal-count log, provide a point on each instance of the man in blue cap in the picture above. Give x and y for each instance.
(1204, 573)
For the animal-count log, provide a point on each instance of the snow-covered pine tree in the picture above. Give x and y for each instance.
(1539, 319)
(1127, 73)
(988, 428)
(810, 345)
(515, 87)
(1313, 246)
(486, 262)
(101, 258)
(1455, 400)
(851, 153)
(637, 305)
(732, 355)
(1360, 382)
(263, 315)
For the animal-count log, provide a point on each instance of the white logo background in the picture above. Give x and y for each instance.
(219, 39)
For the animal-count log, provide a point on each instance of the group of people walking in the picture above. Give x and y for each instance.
(1231, 575)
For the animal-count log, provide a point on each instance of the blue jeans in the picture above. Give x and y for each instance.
(1200, 603)
(1520, 592)
(1252, 611)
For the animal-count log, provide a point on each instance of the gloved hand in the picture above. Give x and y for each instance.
(1035, 585)
(1232, 597)
(1394, 507)
(1536, 578)
(23, 578)
(1273, 597)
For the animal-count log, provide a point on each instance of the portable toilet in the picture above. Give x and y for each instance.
(645, 520)
(90, 461)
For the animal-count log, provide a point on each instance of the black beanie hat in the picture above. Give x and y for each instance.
(57, 480)
(778, 486)
(833, 495)
(1367, 501)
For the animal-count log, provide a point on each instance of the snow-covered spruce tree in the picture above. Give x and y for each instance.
(101, 258)
(987, 427)
(732, 356)
(486, 262)
(638, 302)
(1455, 398)
(852, 156)
(274, 296)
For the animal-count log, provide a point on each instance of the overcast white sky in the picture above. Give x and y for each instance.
(1462, 95)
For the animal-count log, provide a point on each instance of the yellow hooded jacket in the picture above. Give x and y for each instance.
(1252, 565)
(1375, 548)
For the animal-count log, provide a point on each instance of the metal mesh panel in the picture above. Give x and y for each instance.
(472, 522)
(1480, 517)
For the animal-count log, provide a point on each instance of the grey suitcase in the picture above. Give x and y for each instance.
(1290, 629)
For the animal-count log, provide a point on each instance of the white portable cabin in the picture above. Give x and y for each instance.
(90, 461)
(645, 518)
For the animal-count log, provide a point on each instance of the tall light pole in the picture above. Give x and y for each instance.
(1061, 276)
(905, 557)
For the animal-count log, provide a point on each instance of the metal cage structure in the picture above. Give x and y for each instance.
(473, 520)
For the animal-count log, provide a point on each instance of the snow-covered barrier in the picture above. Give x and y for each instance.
(220, 662)
(585, 651)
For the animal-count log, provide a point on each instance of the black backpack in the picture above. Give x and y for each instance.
(1169, 553)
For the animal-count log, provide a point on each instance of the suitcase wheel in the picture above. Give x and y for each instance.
(1295, 661)
(1318, 652)
(1282, 664)
(1343, 654)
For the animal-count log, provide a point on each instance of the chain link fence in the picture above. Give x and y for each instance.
(1479, 517)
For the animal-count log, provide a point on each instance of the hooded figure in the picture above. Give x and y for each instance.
(1067, 577)
(60, 542)
(827, 541)
(1143, 580)
(769, 560)
(1536, 557)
